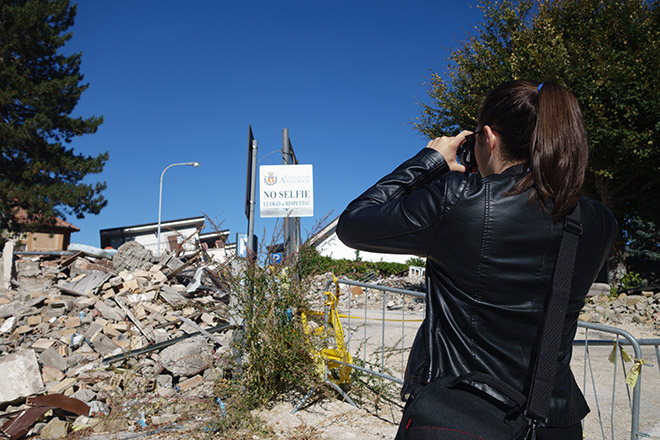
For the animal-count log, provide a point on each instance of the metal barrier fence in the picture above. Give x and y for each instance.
(382, 353)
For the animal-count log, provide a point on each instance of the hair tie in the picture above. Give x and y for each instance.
(538, 89)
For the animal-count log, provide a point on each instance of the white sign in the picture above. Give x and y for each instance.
(241, 245)
(286, 191)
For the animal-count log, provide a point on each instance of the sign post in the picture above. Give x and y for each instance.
(250, 192)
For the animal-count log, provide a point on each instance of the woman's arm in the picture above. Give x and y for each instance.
(397, 214)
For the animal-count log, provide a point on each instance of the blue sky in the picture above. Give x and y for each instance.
(181, 81)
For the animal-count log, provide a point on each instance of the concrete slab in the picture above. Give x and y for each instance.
(20, 376)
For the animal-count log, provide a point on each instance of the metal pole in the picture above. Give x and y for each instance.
(253, 189)
(160, 194)
(286, 160)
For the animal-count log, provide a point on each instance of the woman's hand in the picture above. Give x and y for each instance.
(447, 146)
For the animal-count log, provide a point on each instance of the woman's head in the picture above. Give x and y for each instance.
(540, 124)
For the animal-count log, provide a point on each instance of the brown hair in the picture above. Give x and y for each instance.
(541, 124)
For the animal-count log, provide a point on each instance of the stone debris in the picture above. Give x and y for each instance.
(94, 330)
(20, 377)
(641, 308)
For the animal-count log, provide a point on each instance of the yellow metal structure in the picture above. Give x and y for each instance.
(333, 357)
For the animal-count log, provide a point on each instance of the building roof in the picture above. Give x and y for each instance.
(324, 233)
(22, 217)
(192, 221)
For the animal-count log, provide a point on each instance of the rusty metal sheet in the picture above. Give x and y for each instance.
(18, 427)
(69, 404)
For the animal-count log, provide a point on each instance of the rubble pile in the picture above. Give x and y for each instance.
(642, 308)
(87, 331)
(373, 297)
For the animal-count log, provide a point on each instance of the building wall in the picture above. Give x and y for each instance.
(43, 241)
(168, 239)
(334, 248)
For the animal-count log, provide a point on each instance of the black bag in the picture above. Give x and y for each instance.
(469, 407)
(477, 406)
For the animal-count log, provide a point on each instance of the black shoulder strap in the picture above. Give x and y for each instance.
(545, 368)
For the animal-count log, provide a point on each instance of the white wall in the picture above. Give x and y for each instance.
(334, 248)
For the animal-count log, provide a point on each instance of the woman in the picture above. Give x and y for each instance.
(491, 241)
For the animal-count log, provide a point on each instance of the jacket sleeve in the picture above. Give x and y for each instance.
(399, 214)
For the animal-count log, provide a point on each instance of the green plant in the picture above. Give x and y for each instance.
(629, 281)
(416, 261)
(277, 355)
(313, 263)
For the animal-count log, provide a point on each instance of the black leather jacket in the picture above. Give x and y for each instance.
(490, 259)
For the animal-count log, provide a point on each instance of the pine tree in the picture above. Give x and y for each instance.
(40, 174)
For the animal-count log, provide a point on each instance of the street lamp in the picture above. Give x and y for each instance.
(160, 194)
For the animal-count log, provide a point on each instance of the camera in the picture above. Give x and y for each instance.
(465, 153)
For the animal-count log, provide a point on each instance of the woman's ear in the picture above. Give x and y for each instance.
(492, 139)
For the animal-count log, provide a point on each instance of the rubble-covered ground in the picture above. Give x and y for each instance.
(134, 347)
(138, 340)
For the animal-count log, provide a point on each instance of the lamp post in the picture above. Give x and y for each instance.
(160, 194)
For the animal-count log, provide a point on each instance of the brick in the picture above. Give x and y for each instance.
(73, 322)
(43, 344)
(62, 386)
(50, 374)
(34, 320)
(190, 383)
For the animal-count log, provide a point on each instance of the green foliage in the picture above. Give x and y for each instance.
(416, 261)
(276, 355)
(642, 239)
(313, 263)
(606, 51)
(630, 280)
(39, 89)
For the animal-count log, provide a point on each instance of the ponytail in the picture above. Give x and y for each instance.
(541, 124)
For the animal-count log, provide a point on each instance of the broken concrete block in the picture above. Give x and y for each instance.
(104, 345)
(43, 344)
(84, 284)
(50, 374)
(85, 301)
(131, 285)
(54, 430)
(60, 303)
(8, 324)
(51, 358)
(164, 380)
(190, 383)
(159, 277)
(172, 297)
(84, 394)
(72, 322)
(187, 358)
(160, 335)
(207, 318)
(7, 264)
(23, 329)
(108, 312)
(130, 256)
(34, 320)
(28, 268)
(165, 418)
(94, 328)
(62, 386)
(20, 376)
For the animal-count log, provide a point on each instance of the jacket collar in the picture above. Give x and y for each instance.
(516, 170)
